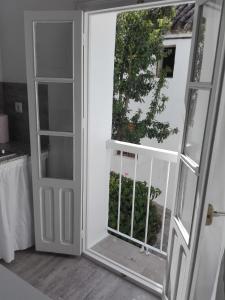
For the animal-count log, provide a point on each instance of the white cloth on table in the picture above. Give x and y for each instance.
(16, 211)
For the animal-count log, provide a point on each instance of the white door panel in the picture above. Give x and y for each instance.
(209, 268)
(54, 77)
(197, 139)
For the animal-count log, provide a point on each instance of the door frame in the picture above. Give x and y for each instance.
(198, 221)
(106, 262)
(56, 185)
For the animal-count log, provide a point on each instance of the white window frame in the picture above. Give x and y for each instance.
(112, 265)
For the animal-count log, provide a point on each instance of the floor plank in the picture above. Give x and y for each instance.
(73, 278)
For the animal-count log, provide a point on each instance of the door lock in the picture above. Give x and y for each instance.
(213, 213)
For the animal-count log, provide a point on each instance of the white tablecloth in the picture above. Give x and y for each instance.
(16, 212)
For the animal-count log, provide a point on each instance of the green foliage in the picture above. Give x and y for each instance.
(139, 46)
(140, 209)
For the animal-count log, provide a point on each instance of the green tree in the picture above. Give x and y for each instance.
(139, 46)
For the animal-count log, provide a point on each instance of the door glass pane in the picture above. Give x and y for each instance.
(186, 196)
(199, 100)
(54, 49)
(209, 21)
(55, 101)
(56, 157)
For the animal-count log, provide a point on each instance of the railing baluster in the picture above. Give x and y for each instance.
(152, 154)
(133, 196)
(119, 196)
(148, 200)
(165, 204)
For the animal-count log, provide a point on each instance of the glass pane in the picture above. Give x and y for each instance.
(207, 41)
(186, 196)
(55, 102)
(56, 157)
(54, 50)
(199, 100)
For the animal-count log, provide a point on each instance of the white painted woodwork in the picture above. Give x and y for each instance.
(57, 201)
(182, 241)
(157, 153)
(99, 94)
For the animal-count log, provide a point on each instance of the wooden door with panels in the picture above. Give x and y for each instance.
(54, 77)
(197, 139)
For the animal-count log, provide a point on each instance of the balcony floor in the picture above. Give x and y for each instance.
(151, 266)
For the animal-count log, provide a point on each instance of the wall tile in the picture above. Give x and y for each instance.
(18, 122)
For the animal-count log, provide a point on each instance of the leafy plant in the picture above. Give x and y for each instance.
(140, 208)
(139, 46)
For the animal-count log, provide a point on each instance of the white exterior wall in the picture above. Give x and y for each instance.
(175, 91)
(100, 93)
(174, 114)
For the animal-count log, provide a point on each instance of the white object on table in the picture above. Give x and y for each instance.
(16, 211)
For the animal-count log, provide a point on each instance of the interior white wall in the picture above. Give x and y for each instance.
(101, 43)
(12, 33)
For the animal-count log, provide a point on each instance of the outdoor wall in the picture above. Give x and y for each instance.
(100, 93)
(175, 91)
(174, 114)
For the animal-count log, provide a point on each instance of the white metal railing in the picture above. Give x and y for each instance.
(151, 154)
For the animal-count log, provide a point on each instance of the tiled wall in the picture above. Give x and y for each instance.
(18, 122)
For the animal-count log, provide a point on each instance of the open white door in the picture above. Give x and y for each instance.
(54, 78)
(201, 105)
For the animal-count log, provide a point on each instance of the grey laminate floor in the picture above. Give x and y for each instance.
(151, 266)
(68, 278)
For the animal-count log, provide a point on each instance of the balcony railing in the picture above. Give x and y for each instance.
(151, 155)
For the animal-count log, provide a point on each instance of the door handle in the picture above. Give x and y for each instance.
(213, 213)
